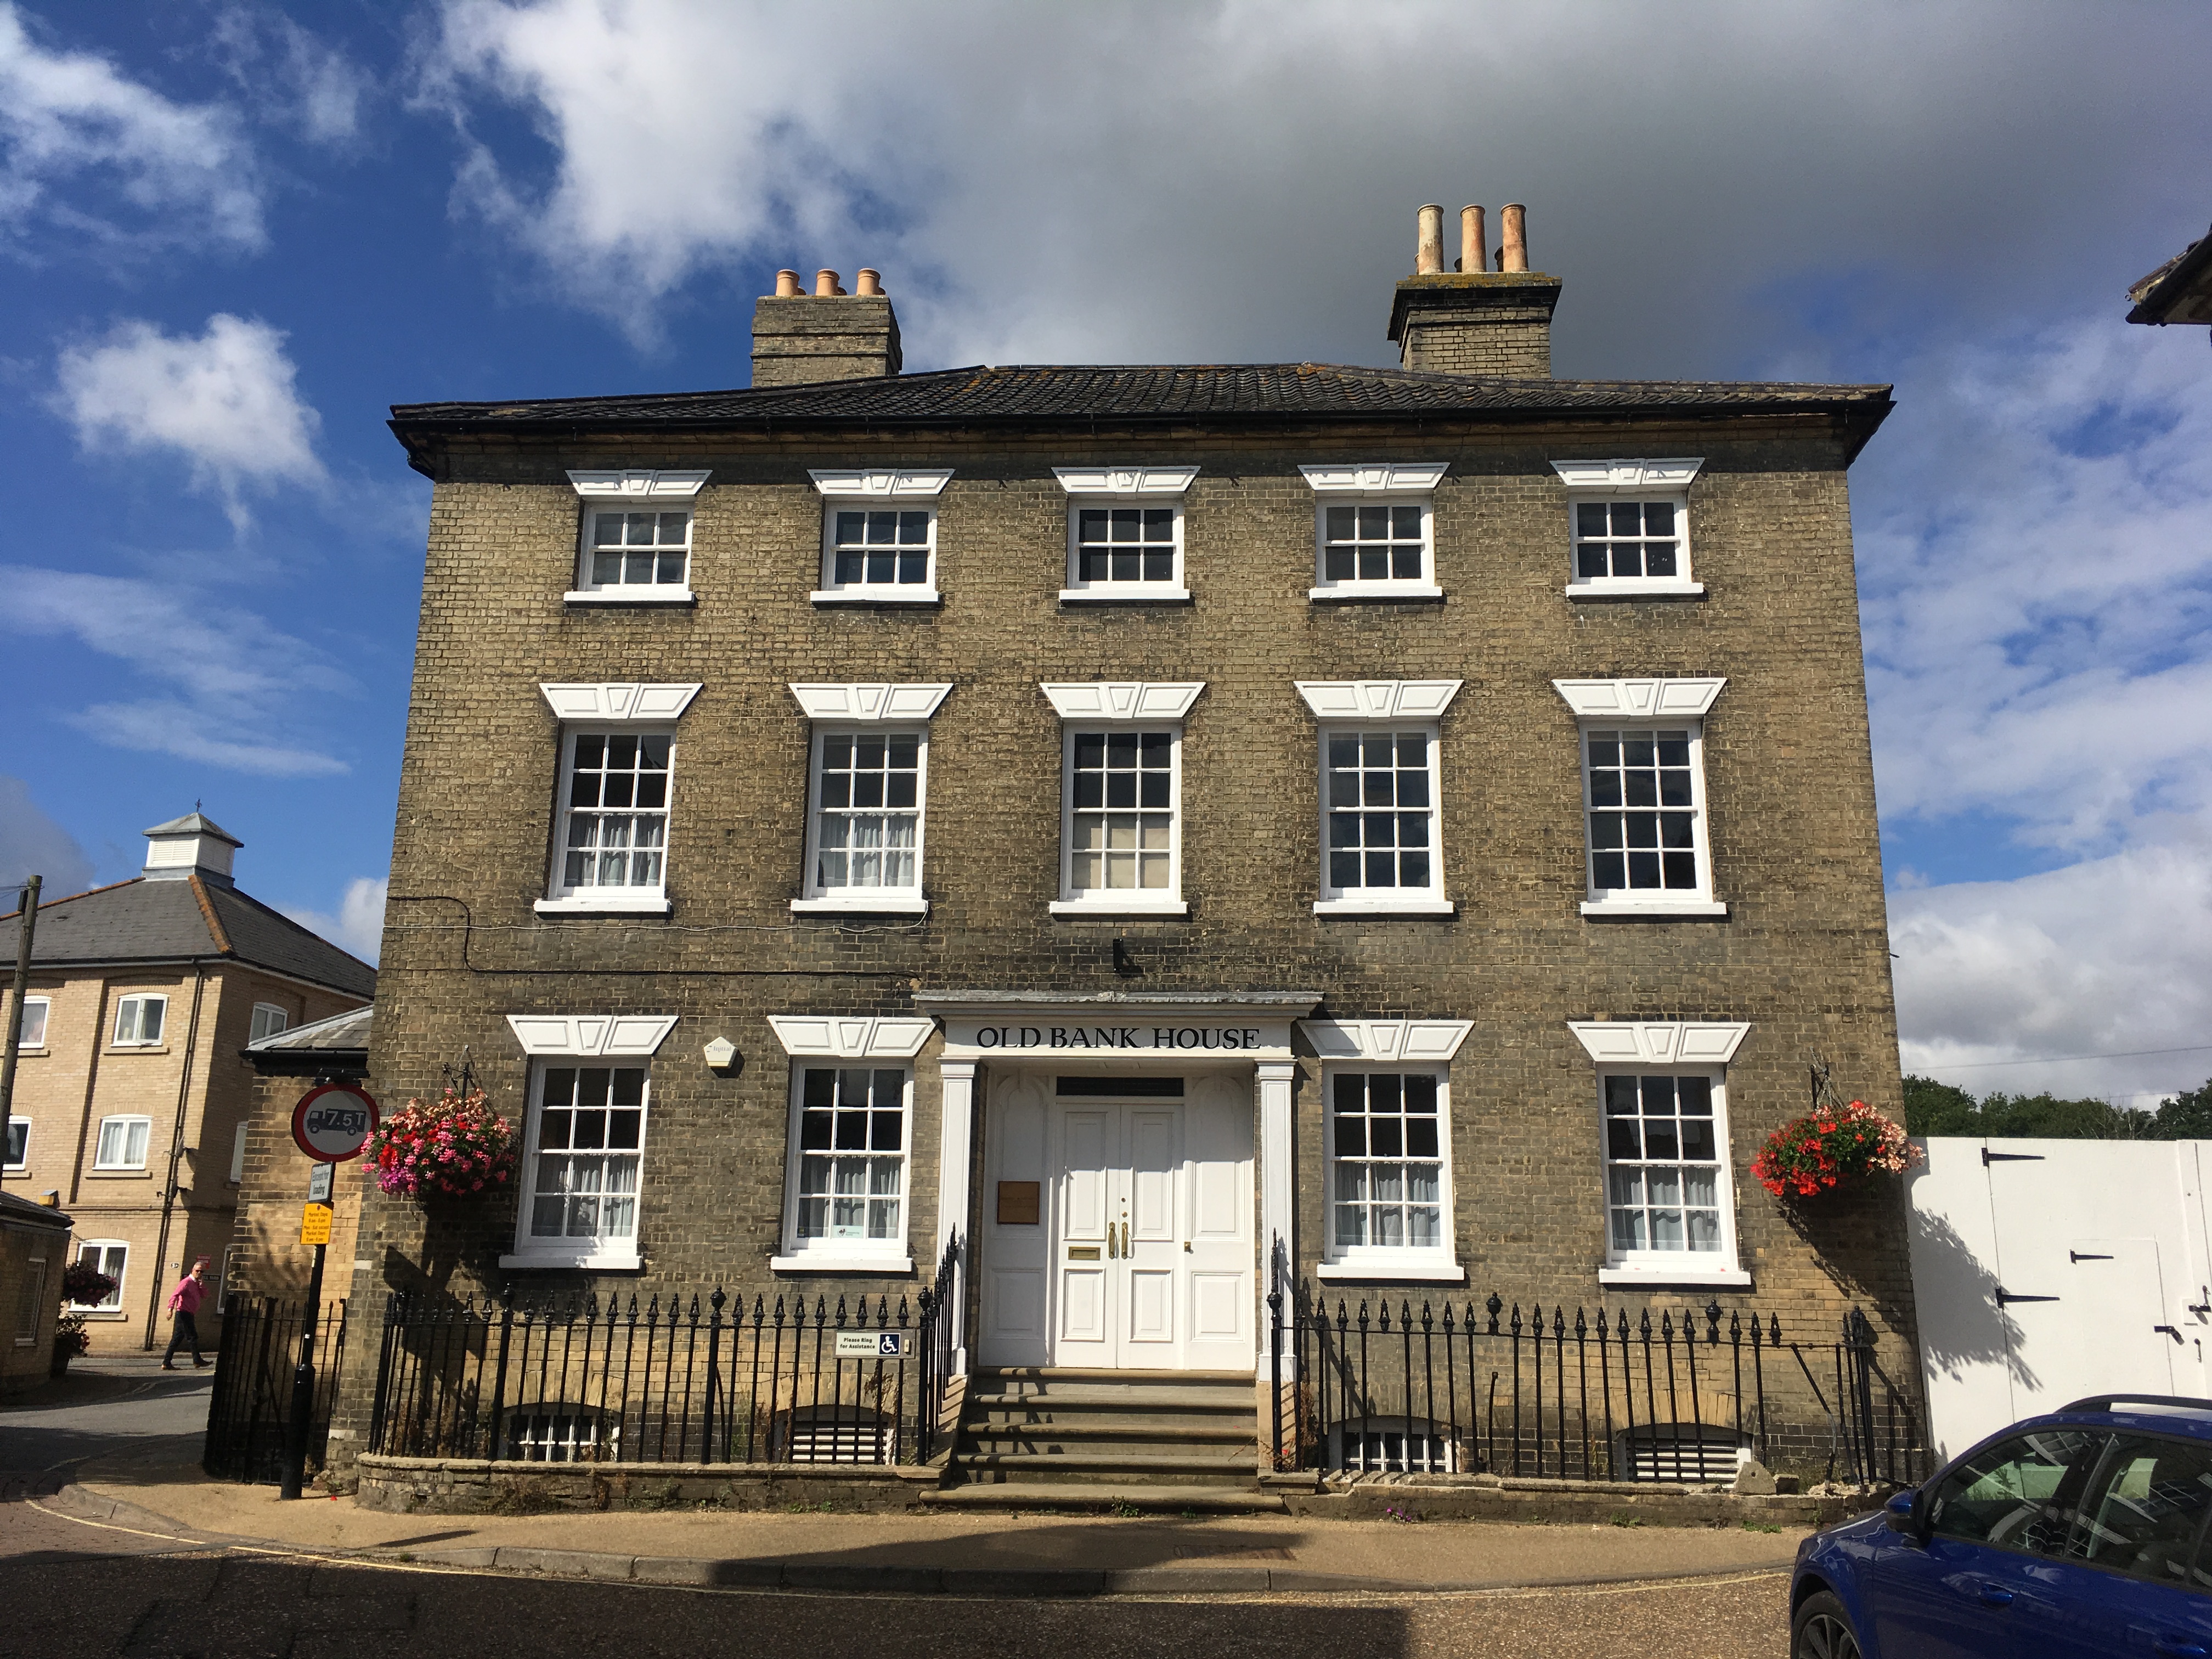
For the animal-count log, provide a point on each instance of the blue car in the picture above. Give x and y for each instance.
(2077, 1536)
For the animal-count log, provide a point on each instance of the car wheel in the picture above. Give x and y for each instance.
(1822, 1630)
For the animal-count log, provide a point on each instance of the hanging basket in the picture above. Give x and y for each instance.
(454, 1146)
(1831, 1149)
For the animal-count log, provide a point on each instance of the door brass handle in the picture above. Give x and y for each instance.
(1109, 1241)
(1125, 1238)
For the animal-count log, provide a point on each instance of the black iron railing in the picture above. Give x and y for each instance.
(254, 1366)
(1655, 1393)
(702, 1378)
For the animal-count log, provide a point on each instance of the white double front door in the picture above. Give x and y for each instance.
(1139, 1254)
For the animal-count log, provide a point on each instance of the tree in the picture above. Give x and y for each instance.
(1941, 1109)
(1937, 1109)
(2185, 1117)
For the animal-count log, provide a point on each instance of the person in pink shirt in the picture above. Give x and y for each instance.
(184, 1303)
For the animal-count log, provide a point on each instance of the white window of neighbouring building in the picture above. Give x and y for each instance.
(139, 1020)
(31, 1303)
(36, 1011)
(866, 790)
(848, 1149)
(110, 1256)
(18, 1142)
(879, 536)
(584, 1145)
(1121, 789)
(1629, 528)
(1374, 531)
(122, 1143)
(1388, 1092)
(1647, 847)
(1125, 533)
(587, 1147)
(1669, 1198)
(1381, 849)
(268, 1020)
(635, 546)
(618, 753)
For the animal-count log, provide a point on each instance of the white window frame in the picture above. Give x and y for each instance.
(885, 710)
(862, 1042)
(17, 1166)
(581, 1040)
(100, 1161)
(1647, 705)
(136, 1000)
(1375, 483)
(1124, 487)
(112, 1308)
(1110, 707)
(1344, 708)
(284, 1020)
(1667, 1048)
(911, 489)
(237, 1154)
(609, 1251)
(45, 1005)
(633, 490)
(33, 1301)
(1400, 1046)
(1665, 480)
(610, 709)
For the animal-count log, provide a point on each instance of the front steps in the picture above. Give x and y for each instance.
(1041, 1438)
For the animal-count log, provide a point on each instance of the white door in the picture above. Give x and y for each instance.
(2088, 1318)
(1116, 1241)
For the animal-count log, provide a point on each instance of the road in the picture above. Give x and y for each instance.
(78, 1591)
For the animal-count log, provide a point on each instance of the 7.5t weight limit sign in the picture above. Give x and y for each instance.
(332, 1123)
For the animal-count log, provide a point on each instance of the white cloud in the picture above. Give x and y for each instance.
(33, 843)
(226, 402)
(237, 680)
(358, 927)
(290, 74)
(86, 152)
(1142, 182)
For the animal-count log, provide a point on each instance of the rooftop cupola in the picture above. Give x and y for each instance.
(193, 845)
(1473, 319)
(800, 338)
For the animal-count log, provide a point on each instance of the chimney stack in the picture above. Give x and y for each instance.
(800, 338)
(1473, 321)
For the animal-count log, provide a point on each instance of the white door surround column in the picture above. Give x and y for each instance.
(1279, 1191)
(955, 1160)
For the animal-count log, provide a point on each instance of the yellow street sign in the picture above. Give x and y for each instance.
(315, 1223)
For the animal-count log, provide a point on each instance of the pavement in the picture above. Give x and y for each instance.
(113, 1545)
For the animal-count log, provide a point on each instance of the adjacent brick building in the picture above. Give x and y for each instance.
(1414, 826)
(131, 1094)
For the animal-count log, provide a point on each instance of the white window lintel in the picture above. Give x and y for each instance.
(877, 484)
(614, 702)
(1125, 480)
(1404, 1042)
(1629, 477)
(1659, 1043)
(1123, 700)
(636, 483)
(824, 702)
(1639, 700)
(862, 1037)
(1375, 477)
(627, 1036)
(1378, 700)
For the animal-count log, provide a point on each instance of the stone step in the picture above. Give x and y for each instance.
(1087, 1396)
(1077, 1468)
(1115, 1431)
(1092, 1374)
(1147, 1499)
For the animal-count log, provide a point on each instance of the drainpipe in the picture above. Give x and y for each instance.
(159, 1275)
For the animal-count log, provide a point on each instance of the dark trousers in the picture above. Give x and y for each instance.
(184, 1333)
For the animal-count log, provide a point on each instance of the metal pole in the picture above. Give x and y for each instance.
(23, 932)
(303, 1386)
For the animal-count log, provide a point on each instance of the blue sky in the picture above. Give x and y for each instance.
(232, 234)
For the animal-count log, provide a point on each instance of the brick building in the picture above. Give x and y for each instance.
(131, 1094)
(1414, 825)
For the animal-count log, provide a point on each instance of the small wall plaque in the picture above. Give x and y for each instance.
(1017, 1203)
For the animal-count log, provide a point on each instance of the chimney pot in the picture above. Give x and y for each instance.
(868, 282)
(1513, 245)
(1472, 242)
(787, 285)
(825, 283)
(1429, 248)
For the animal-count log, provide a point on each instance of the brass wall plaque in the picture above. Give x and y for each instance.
(1017, 1203)
(1083, 1253)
